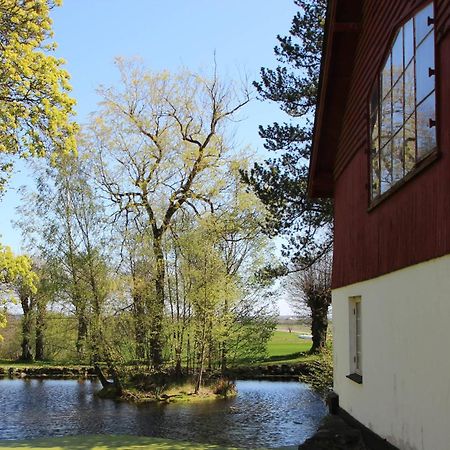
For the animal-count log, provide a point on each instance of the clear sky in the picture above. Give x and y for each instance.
(168, 35)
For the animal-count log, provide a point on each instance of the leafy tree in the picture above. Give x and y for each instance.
(35, 107)
(66, 233)
(311, 288)
(160, 143)
(16, 275)
(281, 182)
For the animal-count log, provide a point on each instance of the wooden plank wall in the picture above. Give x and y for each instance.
(413, 224)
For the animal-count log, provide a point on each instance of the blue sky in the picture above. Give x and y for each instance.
(169, 35)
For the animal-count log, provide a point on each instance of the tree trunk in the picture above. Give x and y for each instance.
(223, 359)
(139, 326)
(40, 328)
(101, 377)
(27, 327)
(156, 340)
(319, 325)
(82, 334)
(201, 367)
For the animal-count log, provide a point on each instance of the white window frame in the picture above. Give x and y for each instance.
(355, 338)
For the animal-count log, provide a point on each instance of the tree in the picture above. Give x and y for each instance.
(16, 275)
(311, 287)
(66, 234)
(281, 182)
(35, 107)
(160, 144)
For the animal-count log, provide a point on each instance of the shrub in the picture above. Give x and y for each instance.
(320, 373)
(224, 388)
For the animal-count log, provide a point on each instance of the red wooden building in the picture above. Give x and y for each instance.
(382, 150)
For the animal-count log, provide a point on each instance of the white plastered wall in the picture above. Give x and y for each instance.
(405, 393)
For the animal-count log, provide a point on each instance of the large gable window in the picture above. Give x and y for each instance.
(402, 107)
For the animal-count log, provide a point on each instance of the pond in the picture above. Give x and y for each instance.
(264, 414)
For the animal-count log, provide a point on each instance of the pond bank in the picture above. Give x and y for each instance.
(107, 442)
(47, 372)
(264, 372)
(275, 372)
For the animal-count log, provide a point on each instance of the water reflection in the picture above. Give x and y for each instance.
(271, 414)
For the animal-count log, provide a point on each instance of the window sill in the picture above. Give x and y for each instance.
(421, 165)
(356, 377)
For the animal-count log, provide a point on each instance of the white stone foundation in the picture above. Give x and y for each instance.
(405, 392)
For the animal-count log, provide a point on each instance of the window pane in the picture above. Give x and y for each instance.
(410, 102)
(397, 57)
(375, 167)
(421, 22)
(397, 104)
(397, 157)
(374, 101)
(424, 62)
(426, 135)
(386, 121)
(386, 78)
(374, 129)
(358, 337)
(385, 168)
(410, 144)
(375, 175)
(408, 31)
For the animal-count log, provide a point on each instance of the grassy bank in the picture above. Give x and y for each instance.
(106, 442)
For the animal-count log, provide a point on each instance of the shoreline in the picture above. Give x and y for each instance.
(275, 372)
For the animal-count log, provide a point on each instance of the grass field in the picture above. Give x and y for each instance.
(106, 442)
(283, 348)
(287, 348)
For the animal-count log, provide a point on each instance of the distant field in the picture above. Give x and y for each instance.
(295, 328)
(285, 343)
(287, 348)
(284, 347)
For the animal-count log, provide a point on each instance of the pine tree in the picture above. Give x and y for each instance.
(281, 182)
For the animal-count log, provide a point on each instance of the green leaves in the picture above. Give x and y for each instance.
(35, 108)
(281, 182)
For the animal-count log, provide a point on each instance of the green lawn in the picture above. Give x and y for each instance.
(283, 348)
(287, 348)
(106, 442)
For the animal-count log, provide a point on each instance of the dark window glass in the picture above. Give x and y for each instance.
(375, 164)
(425, 62)
(426, 130)
(374, 101)
(375, 128)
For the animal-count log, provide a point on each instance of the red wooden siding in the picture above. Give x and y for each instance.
(413, 224)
